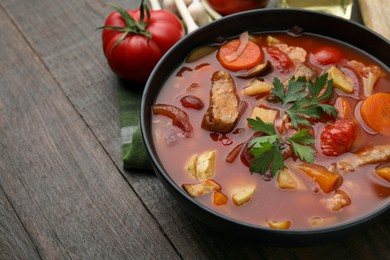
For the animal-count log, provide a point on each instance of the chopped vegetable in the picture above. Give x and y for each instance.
(280, 60)
(267, 149)
(205, 165)
(257, 87)
(384, 173)
(327, 180)
(220, 198)
(202, 166)
(266, 115)
(305, 104)
(343, 107)
(191, 101)
(321, 222)
(340, 80)
(369, 74)
(199, 53)
(201, 188)
(240, 54)
(327, 55)
(178, 116)
(286, 180)
(375, 111)
(337, 138)
(284, 224)
(243, 194)
(234, 153)
(191, 165)
(256, 71)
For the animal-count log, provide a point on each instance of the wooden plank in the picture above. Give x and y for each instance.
(70, 197)
(14, 241)
(376, 15)
(80, 69)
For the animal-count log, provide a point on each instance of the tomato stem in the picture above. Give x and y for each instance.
(132, 26)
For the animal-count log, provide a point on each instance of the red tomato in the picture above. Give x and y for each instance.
(327, 55)
(338, 137)
(225, 7)
(135, 56)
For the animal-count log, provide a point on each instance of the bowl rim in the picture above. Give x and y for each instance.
(199, 35)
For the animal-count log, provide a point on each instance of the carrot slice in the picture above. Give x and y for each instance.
(375, 111)
(328, 181)
(220, 198)
(247, 59)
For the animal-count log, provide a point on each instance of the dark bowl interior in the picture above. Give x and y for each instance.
(265, 20)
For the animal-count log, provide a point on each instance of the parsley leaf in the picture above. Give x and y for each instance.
(260, 125)
(264, 156)
(266, 152)
(307, 105)
(304, 152)
(295, 90)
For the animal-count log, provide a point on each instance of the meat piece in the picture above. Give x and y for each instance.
(338, 200)
(296, 54)
(223, 111)
(307, 71)
(375, 154)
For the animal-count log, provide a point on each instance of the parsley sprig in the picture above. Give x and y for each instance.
(266, 150)
(307, 97)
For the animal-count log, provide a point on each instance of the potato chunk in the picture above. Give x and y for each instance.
(201, 188)
(205, 165)
(257, 87)
(340, 80)
(384, 173)
(286, 180)
(243, 194)
(202, 166)
(318, 222)
(191, 165)
(284, 224)
(267, 115)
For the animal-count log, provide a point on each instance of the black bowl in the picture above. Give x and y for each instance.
(265, 20)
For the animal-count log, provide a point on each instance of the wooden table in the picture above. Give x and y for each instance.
(63, 191)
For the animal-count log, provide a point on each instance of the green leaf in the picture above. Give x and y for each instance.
(278, 89)
(258, 141)
(130, 22)
(262, 158)
(277, 162)
(260, 125)
(304, 152)
(295, 90)
(330, 110)
(302, 136)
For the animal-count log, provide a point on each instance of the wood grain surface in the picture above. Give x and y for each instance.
(376, 15)
(63, 192)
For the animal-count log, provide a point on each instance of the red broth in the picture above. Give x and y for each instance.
(366, 190)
